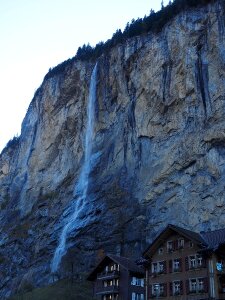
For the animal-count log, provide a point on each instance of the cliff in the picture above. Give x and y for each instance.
(158, 154)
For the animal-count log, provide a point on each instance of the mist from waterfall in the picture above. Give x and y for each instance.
(82, 185)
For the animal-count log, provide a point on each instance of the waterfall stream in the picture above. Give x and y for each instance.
(82, 185)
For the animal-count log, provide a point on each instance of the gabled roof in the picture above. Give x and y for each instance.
(208, 240)
(214, 238)
(170, 229)
(124, 262)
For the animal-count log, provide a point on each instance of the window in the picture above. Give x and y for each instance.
(176, 265)
(197, 285)
(199, 260)
(112, 267)
(193, 285)
(192, 262)
(181, 243)
(176, 288)
(195, 261)
(191, 245)
(137, 281)
(219, 266)
(159, 267)
(160, 251)
(200, 284)
(136, 296)
(158, 289)
(114, 282)
(170, 246)
(154, 267)
(108, 297)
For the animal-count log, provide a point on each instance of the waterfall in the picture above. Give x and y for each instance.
(82, 185)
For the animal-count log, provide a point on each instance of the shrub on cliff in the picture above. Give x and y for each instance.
(12, 144)
(154, 22)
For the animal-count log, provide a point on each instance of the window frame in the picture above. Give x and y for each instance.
(176, 265)
(176, 291)
(169, 246)
(195, 261)
(199, 287)
(181, 243)
(158, 267)
(160, 290)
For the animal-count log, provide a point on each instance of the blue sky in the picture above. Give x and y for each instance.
(39, 34)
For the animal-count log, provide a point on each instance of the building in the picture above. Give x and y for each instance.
(117, 278)
(185, 265)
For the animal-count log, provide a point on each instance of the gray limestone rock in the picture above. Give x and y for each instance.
(158, 153)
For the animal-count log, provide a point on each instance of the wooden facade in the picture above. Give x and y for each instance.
(117, 278)
(185, 265)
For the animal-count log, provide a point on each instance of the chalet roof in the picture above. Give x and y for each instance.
(124, 262)
(191, 235)
(214, 238)
(209, 240)
(127, 263)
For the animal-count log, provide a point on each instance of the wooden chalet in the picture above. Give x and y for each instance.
(185, 265)
(117, 278)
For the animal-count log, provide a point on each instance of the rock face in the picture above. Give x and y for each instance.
(158, 153)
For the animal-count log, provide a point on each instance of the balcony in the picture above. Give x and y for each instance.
(108, 290)
(108, 275)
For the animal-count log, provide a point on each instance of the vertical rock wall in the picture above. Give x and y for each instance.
(158, 155)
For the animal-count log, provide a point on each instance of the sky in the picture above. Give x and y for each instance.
(39, 34)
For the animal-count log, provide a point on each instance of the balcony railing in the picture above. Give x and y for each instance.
(108, 275)
(108, 290)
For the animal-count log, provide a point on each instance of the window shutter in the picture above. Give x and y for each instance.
(150, 270)
(186, 263)
(181, 288)
(150, 290)
(176, 245)
(164, 289)
(180, 264)
(170, 265)
(206, 284)
(164, 267)
(203, 262)
(171, 289)
(187, 287)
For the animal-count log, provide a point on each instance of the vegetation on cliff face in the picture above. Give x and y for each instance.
(13, 143)
(154, 22)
